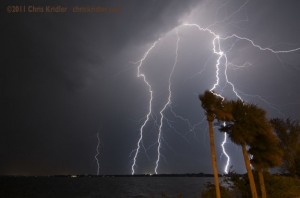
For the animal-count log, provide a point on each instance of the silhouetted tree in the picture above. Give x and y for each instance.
(210, 191)
(276, 185)
(247, 122)
(288, 132)
(211, 103)
(266, 154)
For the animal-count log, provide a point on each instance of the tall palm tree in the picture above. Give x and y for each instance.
(266, 154)
(210, 103)
(247, 121)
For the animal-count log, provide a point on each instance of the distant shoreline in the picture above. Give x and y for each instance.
(136, 175)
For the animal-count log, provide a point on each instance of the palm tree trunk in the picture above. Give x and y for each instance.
(262, 183)
(214, 159)
(249, 170)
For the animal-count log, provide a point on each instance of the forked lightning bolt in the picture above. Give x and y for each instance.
(141, 75)
(217, 50)
(166, 105)
(221, 60)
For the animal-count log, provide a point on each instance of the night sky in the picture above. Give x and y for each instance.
(67, 76)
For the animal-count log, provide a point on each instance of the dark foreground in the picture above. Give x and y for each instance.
(102, 187)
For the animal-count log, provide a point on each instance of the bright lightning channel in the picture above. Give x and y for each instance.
(224, 151)
(259, 47)
(142, 75)
(217, 50)
(166, 104)
(221, 55)
(96, 156)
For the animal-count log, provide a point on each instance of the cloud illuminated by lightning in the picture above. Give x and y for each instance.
(222, 61)
(221, 54)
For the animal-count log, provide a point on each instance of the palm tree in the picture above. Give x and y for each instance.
(247, 122)
(288, 132)
(266, 154)
(210, 103)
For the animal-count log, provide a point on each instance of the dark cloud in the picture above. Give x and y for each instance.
(66, 76)
(48, 66)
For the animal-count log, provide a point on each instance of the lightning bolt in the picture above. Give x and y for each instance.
(222, 55)
(96, 156)
(142, 75)
(260, 47)
(225, 153)
(222, 61)
(217, 50)
(166, 104)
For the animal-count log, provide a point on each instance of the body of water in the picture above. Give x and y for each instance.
(102, 187)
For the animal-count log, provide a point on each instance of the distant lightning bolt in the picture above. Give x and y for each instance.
(141, 75)
(166, 105)
(96, 156)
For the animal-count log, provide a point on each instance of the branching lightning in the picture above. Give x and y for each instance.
(260, 47)
(221, 54)
(96, 156)
(217, 50)
(166, 105)
(141, 75)
(222, 61)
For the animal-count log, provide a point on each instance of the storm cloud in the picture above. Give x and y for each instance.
(65, 77)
